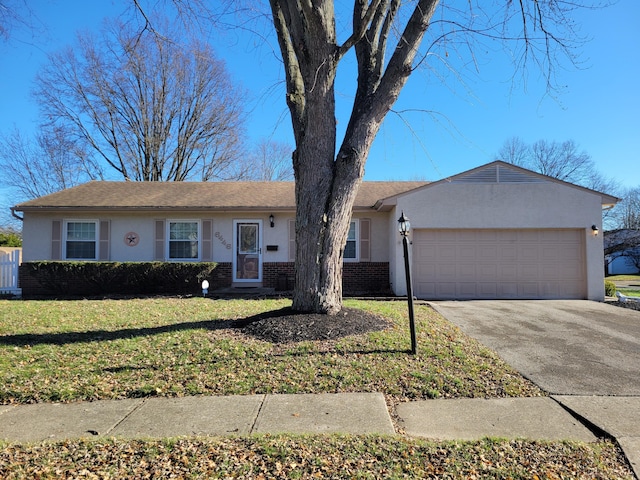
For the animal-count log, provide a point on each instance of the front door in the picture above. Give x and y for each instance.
(247, 257)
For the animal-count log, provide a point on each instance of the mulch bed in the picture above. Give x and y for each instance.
(287, 325)
(631, 305)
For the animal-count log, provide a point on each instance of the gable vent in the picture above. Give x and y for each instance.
(509, 175)
(486, 175)
(498, 174)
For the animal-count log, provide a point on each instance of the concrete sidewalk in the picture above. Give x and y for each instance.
(542, 418)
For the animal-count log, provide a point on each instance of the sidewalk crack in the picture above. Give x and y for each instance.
(133, 410)
(255, 420)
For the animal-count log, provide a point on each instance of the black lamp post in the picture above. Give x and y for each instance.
(404, 227)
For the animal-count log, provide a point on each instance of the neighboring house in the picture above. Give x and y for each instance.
(622, 252)
(497, 231)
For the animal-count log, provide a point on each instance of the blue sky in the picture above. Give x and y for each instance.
(599, 108)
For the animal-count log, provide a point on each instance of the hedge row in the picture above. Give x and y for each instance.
(108, 278)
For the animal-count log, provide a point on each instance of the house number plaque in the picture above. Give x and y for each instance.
(131, 239)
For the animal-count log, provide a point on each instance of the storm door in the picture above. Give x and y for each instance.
(247, 256)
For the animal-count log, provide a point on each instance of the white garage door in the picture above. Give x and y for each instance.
(498, 264)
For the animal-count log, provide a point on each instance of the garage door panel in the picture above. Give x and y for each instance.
(466, 253)
(507, 290)
(424, 251)
(425, 289)
(446, 253)
(486, 236)
(507, 236)
(487, 253)
(528, 253)
(488, 263)
(508, 253)
(446, 273)
(488, 272)
(528, 290)
(467, 289)
(487, 290)
(508, 273)
(466, 272)
(446, 290)
(528, 271)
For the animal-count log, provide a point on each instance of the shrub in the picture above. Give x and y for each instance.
(126, 278)
(609, 288)
(10, 239)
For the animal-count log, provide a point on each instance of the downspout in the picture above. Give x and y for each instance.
(15, 215)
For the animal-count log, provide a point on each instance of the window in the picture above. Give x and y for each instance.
(351, 248)
(184, 239)
(80, 240)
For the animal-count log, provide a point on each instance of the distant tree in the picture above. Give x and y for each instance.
(515, 151)
(622, 243)
(10, 238)
(626, 215)
(16, 15)
(46, 164)
(149, 107)
(271, 161)
(562, 160)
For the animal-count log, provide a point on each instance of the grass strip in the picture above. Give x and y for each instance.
(320, 456)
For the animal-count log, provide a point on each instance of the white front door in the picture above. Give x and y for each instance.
(247, 255)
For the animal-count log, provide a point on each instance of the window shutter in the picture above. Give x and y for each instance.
(158, 253)
(207, 240)
(365, 239)
(103, 251)
(56, 240)
(292, 240)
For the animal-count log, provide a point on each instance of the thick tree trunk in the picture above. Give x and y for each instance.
(326, 184)
(323, 214)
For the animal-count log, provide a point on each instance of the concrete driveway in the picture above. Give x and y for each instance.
(567, 347)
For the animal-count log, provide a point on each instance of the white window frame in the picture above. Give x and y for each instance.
(356, 222)
(168, 241)
(65, 231)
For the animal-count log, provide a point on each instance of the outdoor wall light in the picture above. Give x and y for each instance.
(404, 226)
(205, 288)
(595, 230)
(271, 220)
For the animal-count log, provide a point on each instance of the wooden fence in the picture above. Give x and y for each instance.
(9, 263)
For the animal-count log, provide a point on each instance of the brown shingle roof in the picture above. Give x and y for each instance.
(99, 195)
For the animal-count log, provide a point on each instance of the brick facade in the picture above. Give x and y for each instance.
(364, 278)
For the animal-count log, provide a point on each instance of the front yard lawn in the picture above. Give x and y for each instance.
(87, 350)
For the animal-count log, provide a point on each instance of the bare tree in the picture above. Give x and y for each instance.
(46, 164)
(622, 243)
(17, 15)
(150, 108)
(514, 151)
(626, 214)
(562, 160)
(390, 40)
(271, 161)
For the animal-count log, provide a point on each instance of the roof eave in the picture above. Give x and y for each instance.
(68, 208)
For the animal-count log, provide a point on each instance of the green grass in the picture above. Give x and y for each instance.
(319, 456)
(623, 278)
(85, 350)
(629, 292)
(88, 350)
